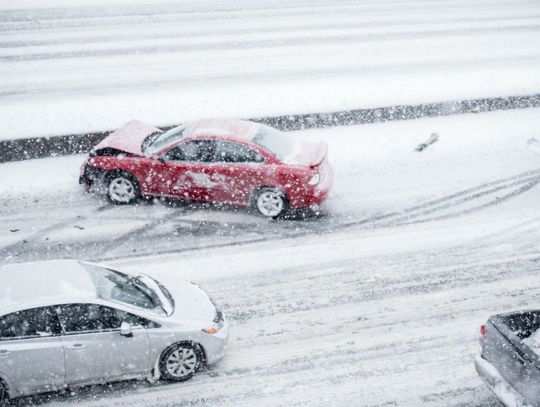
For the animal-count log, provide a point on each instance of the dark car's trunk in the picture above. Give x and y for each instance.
(504, 348)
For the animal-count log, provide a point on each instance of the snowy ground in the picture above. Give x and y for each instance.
(377, 304)
(67, 67)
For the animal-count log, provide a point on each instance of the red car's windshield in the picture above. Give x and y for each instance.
(162, 140)
(275, 141)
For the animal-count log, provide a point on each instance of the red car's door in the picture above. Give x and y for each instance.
(187, 171)
(238, 170)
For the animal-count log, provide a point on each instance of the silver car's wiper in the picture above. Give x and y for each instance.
(128, 281)
(157, 294)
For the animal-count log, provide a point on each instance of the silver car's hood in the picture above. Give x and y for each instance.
(191, 302)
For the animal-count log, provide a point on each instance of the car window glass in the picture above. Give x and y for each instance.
(196, 150)
(36, 322)
(230, 152)
(115, 286)
(94, 318)
(160, 141)
(277, 142)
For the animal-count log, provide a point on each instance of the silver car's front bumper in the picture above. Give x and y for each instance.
(216, 344)
(498, 385)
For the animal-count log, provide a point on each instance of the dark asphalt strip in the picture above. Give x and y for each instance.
(39, 147)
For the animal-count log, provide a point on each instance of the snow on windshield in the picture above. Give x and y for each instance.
(275, 141)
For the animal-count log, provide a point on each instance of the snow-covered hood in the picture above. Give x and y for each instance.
(128, 138)
(191, 302)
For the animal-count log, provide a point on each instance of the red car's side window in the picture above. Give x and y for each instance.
(194, 151)
(231, 152)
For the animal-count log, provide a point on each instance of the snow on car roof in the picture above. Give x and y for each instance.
(224, 127)
(41, 283)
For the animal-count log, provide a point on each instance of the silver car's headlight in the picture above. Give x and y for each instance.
(217, 321)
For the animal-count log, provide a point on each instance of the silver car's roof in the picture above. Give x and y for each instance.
(41, 283)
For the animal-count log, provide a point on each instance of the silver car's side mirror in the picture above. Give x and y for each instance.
(125, 329)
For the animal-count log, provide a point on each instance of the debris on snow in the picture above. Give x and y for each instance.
(432, 139)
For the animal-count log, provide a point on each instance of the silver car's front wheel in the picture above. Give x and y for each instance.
(180, 362)
(123, 188)
(3, 393)
(270, 202)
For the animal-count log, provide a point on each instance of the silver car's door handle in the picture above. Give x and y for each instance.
(4, 353)
(77, 346)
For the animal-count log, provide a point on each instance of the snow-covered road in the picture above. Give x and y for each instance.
(377, 304)
(66, 67)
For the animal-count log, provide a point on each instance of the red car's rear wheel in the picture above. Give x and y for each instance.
(270, 202)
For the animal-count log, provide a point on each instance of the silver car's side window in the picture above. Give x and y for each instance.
(31, 323)
(87, 318)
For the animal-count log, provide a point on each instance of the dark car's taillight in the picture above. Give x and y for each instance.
(483, 333)
(483, 330)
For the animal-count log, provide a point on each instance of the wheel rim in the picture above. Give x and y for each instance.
(270, 203)
(181, 362)
(2, 392)
(121, 190)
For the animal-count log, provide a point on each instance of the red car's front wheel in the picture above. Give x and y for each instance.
(122, 188)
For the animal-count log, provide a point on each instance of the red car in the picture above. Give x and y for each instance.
(222, 161)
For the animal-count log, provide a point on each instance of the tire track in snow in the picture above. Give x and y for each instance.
(177, 230)
(38, 245)
(431, 340)
(321, 26)
(260, 44)
(15, 19)
(25, 245)
(524, 182)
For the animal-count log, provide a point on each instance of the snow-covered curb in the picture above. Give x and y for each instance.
(39, 147)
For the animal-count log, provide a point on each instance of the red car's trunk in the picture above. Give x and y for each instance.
(309, 154)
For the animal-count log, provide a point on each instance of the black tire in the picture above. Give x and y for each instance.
(270, 202)
(4, 396)
(181, 361)
(122, 188)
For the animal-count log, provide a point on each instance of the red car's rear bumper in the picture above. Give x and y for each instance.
(313, 195)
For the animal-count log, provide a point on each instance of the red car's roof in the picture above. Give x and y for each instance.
(240, 129)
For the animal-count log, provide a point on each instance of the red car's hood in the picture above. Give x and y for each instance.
(128, 138)
(308, 154)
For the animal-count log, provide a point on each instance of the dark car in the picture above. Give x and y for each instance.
(510, 359)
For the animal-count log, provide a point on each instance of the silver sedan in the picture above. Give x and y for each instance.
(66, 323)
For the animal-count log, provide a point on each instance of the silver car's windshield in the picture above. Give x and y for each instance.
(275, 141)
(163, 140)
(165, 298)
(136, 291)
